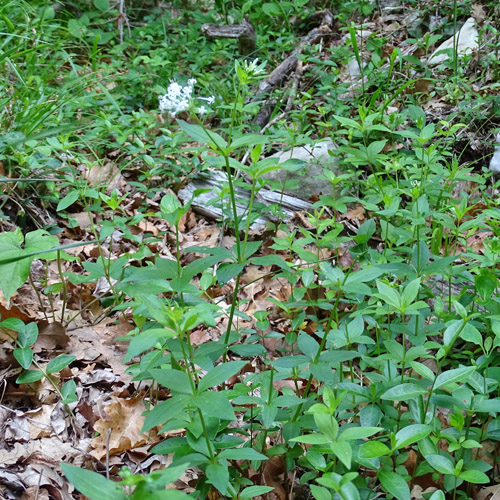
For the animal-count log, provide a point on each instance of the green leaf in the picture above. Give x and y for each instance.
(403, 391)
(218, 476)
(270, 260)
(170, 204)
(28, 335)
(24, 356)
(228, 270)
(200, 134)
(411, 291)
(474, 476)
(373, 449)
(102, 5)
(76, 28)
(93, 485)
(442, 464)
(68, 391)
(471, 334)
(14, 324)
(220, 374)
(254, 491)
(452, 331)
(486, 283)
(358, 432)
(395, 485)
(388, 294)
(437, 495)
(241, 454)
(166, 410)
(214, 404)
(29, 377)
(308, 345)
(326, 424)
(57, 364)
(68, 200)
(423, 370)
(452, 376)
(175, 380)
(312, 439)
(411, 434)
(16, 260)
(161, 495)
(249, 140)
(370, 416)
(320, 493)
(343, 451)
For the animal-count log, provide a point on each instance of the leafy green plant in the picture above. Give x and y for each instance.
(26, 337)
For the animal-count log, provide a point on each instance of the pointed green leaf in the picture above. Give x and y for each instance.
(24, 356)
(373, 449)
(388, 294)
(474, 476)
(343, 451)
(358, 432)
(411, 434)
(202, 135)
(93, 485)
(220, 374)
(228, 270)
(442, 464)
(395, 485)
(453, 376)
(241, 454)
(254, 491)
(403, 391)
(316, 438)
(29, 377)
(57, 364)
(218, 476)
(175, 380)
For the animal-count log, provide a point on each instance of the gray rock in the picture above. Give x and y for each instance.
(467, 42)
(304, 176)
(495, 159)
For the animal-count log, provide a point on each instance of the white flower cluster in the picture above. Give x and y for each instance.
(254, 68)
(178, 98)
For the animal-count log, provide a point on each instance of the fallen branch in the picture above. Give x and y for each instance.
(244, 32)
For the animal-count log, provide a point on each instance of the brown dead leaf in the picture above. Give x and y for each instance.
(35, 493)
(52, 335)
(478, 13)
(274, 475)
(105, 175)
(356, 214)
(87, 345)
(39, 421)
(52, 449)
(489, 493)
(124, 422)
(109, 330)
(84, 221)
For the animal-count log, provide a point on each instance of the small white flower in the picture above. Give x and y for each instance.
(202, 110)
(210, 100)
(178, 98)
(254, 68)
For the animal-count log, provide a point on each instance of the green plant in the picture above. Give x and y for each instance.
(26, 337)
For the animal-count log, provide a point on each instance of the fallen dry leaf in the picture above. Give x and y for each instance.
(123, 424)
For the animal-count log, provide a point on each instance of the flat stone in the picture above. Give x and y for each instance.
(467, 42)
(495, 159)
(309, 179)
